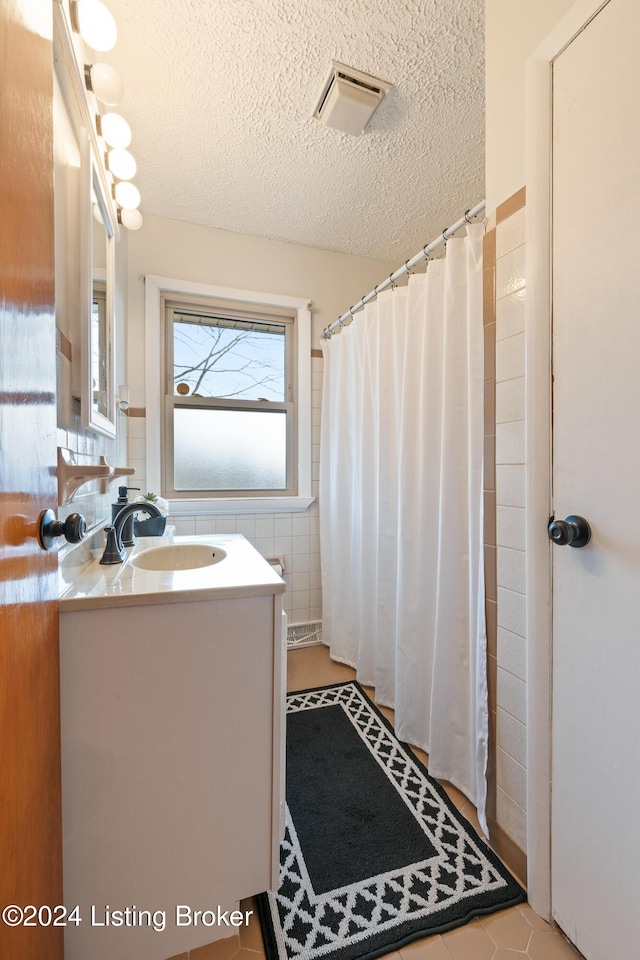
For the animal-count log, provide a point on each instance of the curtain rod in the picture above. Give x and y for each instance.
(406, 267)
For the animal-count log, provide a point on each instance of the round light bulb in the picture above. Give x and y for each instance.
(115, 130)
(96, 24)
(106, 84)
(131, 219)
(122, 164)
(127, 195)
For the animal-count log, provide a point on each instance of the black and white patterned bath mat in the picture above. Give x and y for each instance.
(375, 854)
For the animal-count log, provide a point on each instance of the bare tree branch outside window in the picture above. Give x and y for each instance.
(225, 362)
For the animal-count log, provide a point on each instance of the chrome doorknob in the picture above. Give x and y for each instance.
(573, 530)
(73, 529)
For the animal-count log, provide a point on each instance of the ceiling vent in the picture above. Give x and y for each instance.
(349, 99)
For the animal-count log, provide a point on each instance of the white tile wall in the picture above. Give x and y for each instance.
(510, 271)
(511, 611)
(512, 652)
(512, 818)
(513, 777)
(295, 536)
(512, 736)
(510, 400)
(510, 477)
(510, 233)
(510, 315)
(510, 528)
(512, 569)
(512, 695)
(510, 441)
(510, 357)
(511, 761)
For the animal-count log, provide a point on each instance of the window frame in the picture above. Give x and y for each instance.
(209, 308)
(157, 288)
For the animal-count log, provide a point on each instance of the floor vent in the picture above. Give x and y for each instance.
(304, 634)
(349, 99)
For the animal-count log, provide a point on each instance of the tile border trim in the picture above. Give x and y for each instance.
(510, 206)
(508, 851)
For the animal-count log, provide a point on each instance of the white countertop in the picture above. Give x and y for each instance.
(242, 573)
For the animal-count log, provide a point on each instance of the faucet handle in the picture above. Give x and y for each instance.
(112, 552)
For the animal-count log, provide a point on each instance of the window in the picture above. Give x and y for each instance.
(228, 398)
(229, 416)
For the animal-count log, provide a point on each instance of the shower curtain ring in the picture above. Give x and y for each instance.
(392, 281)
(427, 256)
(406, 266)
(466, 215)
(444, 236)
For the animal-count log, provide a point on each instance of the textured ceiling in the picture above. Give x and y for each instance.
(220, 95)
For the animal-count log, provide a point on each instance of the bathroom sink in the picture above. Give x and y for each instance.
(178, 556)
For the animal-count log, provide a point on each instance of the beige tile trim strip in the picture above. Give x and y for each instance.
(509, 852)
(511, 206)
(317, 353)
(489, 251)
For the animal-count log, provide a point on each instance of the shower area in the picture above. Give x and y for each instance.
(401, 488)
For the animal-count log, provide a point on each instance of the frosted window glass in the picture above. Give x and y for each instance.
(230, 449)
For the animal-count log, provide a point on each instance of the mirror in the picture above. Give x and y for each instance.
(98, 403)
(85, 246)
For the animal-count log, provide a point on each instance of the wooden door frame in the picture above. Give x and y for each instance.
(539, 120)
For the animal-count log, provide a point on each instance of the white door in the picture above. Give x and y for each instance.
(596, 473)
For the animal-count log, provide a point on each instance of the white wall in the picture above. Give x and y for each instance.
(513, 30)
(331, 281)
(188, 251)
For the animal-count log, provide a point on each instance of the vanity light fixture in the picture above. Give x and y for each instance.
(123, 397)
(103, 80)
(127, 195)
(115, 130)
(122, 164)
(94, 23)
(131, 219)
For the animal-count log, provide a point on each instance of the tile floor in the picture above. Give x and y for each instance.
(511, 934)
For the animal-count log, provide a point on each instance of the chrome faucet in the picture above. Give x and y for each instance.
(114, 552)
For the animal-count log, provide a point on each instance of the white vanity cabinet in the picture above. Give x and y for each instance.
(172, 754)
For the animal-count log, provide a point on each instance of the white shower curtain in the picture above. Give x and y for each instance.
(402, 510)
